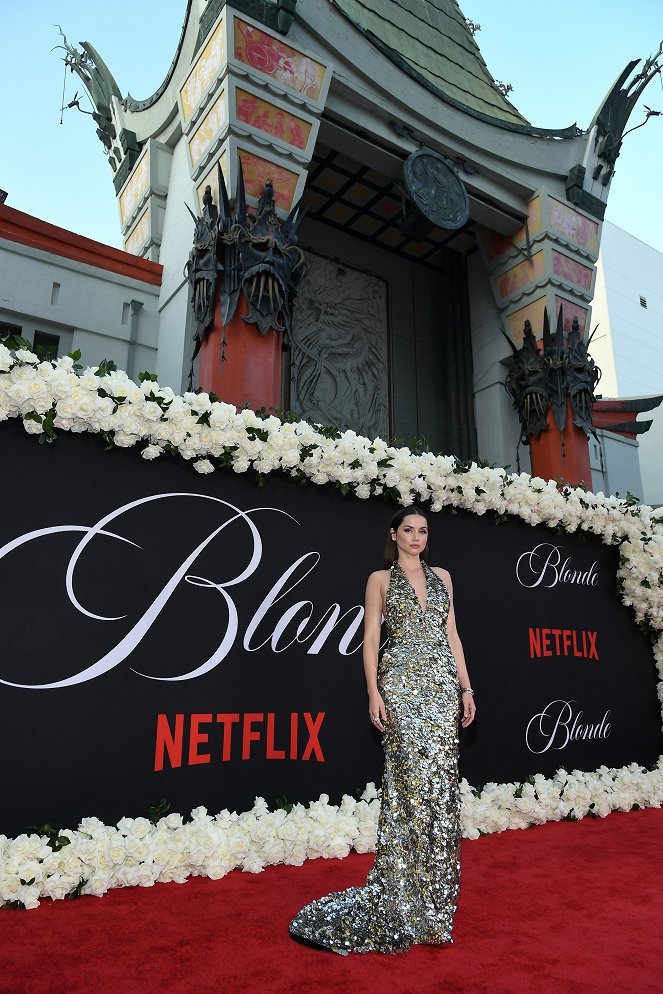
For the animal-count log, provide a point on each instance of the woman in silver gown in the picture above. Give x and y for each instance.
(416, 696)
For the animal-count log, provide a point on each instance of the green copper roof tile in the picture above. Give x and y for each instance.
(430, 39)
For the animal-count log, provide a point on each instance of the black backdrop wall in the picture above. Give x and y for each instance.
(166, 634)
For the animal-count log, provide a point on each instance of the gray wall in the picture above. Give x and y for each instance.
(88, 308)
(430, 362)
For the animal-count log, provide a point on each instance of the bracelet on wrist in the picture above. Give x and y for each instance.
(467, 690)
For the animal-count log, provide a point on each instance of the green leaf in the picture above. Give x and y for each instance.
(157, 811)
(74, 355)
(152, 377)
(105, 366)
(13, 906)
(74, 894)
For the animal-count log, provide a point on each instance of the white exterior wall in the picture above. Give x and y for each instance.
(88, 309)
(628, 345)
(627, 270)
(615, 464)
(175, 321)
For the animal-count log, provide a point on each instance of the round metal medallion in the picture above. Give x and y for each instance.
(437, 192)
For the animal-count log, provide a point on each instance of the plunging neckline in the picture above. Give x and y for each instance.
(412, 587)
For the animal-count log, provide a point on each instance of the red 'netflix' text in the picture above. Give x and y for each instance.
(562, 642)
(191, 740)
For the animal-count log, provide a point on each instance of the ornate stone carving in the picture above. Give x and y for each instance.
(339, 370)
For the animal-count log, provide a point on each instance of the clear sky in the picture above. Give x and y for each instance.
(561, 59)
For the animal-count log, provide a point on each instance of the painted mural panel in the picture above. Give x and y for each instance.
(210, 62)
(286, 65)
(139, 235)
(265, 116)
(494, 244)
(211, 125)
(571, 310)
(572, 271)
(526, 272)
(136, 187)
(258, 170)
(532, 312)
(569, 223)
(339, 348)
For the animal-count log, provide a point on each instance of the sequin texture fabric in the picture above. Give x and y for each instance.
(411, 892)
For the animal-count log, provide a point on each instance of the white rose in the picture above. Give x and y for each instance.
(203, 466)
(6, 359)
(151, 452)
(96, 885)
(26, 356)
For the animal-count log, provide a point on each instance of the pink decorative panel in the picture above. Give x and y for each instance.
(270, 55)
(532, 312)
(571, 310)
(517, 277)
(265, 116)
(571, 271)
(495, 244)
(257, 171)
(568, 223)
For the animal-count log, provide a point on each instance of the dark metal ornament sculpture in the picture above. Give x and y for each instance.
(435, 189)
(582, 375)
(554, 361)
(256, 254)
(616, 110)
(271, 264)
(203, 265)
(527, 385)
(539, 380)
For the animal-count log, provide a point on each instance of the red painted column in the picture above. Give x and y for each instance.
(562, 455)
(251, 371)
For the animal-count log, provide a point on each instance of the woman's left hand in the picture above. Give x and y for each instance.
(469, 710)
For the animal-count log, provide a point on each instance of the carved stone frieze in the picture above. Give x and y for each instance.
(339, 372)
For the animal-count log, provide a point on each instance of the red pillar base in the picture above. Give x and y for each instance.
(251, 372)
(562, 455)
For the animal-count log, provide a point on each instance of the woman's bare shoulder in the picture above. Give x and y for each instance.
(379, 577)
(444, 574)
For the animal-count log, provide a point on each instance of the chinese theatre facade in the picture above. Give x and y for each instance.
(379, 217)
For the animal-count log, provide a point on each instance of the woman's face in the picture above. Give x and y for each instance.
(411, 535)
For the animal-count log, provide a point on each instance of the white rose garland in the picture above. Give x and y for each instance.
(59, 395)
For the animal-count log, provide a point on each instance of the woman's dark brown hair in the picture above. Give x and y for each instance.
(391, 549)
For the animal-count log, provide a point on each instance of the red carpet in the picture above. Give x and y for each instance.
(554, 909)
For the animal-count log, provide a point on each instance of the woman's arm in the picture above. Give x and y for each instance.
(469, 708)
(372, 625)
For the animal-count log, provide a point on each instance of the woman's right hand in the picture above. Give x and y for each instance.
(377, 712)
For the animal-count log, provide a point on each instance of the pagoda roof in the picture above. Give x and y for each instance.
(431, 41)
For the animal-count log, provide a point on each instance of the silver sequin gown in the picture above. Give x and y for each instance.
(411, 892)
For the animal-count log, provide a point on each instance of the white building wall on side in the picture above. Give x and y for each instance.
(498, 428)
(651, 459)
(601, 346)
(615, 464)
(631, 355)
(175, 327)
(631, 270)
(86, 307)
